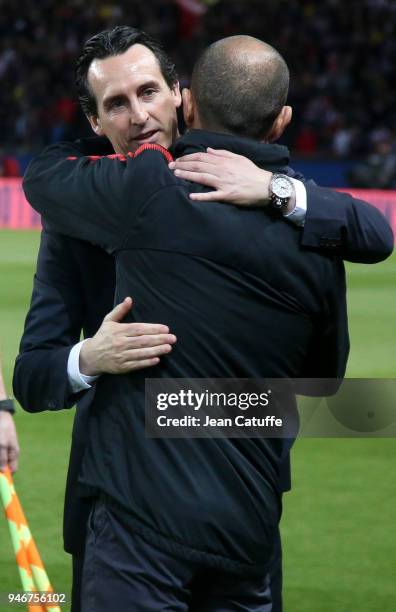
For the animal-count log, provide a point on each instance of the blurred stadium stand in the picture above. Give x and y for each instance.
(341, 54)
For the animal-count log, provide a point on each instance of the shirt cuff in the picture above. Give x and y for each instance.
(78, 382)
(298, 214)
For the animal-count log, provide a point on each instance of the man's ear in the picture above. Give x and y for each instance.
(177, 94)
(95, 124)
(280, 124)
(188, 107)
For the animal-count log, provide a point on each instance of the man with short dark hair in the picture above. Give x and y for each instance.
(111, 43)
(174, 273)
(104, 100)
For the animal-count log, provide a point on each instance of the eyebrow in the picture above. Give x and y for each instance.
(148, 84)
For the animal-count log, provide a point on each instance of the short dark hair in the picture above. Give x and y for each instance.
(115, 42)
(239, 92)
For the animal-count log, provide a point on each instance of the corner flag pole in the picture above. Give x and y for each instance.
(31, 568)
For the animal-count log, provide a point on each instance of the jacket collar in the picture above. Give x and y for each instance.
(265, 155)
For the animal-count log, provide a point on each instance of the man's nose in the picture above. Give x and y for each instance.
(139, 114)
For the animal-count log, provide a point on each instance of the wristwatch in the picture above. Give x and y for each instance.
(281, 189)
(7, 405)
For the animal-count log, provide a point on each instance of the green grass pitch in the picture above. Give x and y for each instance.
(338, 524)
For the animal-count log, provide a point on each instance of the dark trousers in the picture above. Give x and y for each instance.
(123, 571)
(275, 580)
(275, 572)
(77, 568)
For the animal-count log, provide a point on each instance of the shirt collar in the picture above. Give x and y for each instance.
(265, 155)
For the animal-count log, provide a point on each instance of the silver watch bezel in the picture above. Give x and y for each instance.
(279, 202)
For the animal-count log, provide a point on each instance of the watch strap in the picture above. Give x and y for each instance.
(7, 405)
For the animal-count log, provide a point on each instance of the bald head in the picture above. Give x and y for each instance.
(240, 85)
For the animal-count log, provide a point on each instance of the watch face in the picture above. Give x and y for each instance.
(281, 187)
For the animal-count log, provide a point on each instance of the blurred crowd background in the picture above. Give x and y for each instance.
(342, 57)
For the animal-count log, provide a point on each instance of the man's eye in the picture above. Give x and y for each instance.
(148, 93)
(116, 103)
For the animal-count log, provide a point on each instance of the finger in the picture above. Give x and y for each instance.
(191, 157)
(222, 153)
(13, 465)
(209, 196)
(13, 459)
(150, 340)
(195, 166)
(3, 457)
(203, 178)
(146, 353)
(143, 329)
(120, 311)
(140, 365)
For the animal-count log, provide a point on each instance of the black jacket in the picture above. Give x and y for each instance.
(41, 383)
(244, 301)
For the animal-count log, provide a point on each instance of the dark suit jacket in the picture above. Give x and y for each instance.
(74, 288)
